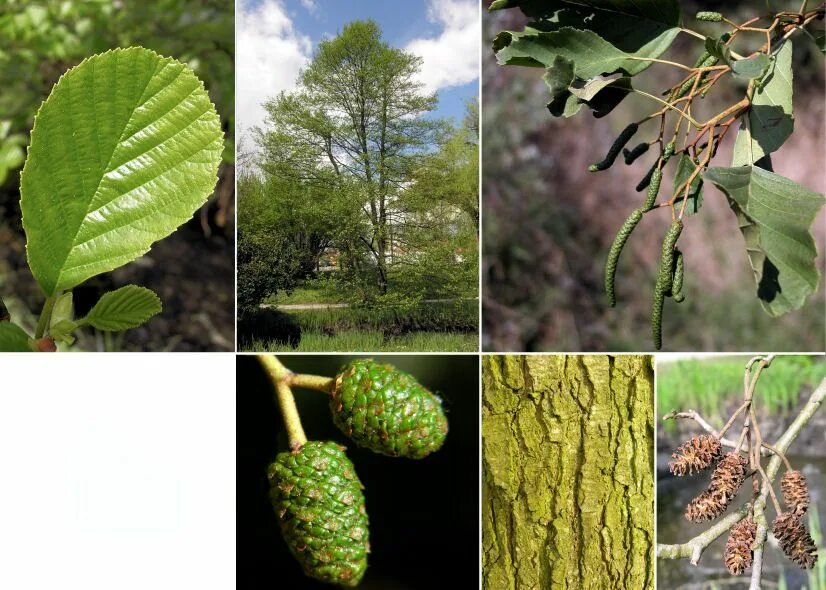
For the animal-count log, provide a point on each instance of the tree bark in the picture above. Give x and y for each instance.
(568, 482)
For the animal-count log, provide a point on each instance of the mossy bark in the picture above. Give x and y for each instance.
(568, 484)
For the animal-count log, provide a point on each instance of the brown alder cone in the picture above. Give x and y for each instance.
(795, 540)
(695, 455)
(795, 491)
(729, 475)
(725, 481)
(706, 506)
(738, 553)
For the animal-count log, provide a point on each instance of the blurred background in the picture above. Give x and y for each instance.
(424, 515)
(193, 269)
(548, 223)
(714, 388)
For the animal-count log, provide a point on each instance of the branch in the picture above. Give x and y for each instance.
(782, 445)
(694, 548)
(694, 415)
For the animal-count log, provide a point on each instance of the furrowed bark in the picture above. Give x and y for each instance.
(567, 472)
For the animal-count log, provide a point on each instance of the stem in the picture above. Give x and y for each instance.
(662, 61)
(668, 106)
(697, 545)
(325, 384)
(693, 33)
(280, 376)
(45, 316)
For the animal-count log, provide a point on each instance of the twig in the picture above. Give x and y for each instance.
(279, 376)
(694, 415)
(694, 548)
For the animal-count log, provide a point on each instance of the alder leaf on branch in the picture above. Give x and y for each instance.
(775, 216)
(599, 36)
(770, 120)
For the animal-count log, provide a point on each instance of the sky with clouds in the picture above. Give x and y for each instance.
(276, 38)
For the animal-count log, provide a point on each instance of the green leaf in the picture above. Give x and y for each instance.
(751, 68)
(559, 76)
(775, 215)
(127, 307)
(592, 54)
(685, 168)
(13, 338)
(123, 151)
(718, 49)
(770, 121)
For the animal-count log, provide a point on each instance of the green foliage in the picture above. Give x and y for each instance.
(123, 151)
(12, 153)
(707, 385)
(127, 307)
(371, 192)
(579, 43)
(453, 326)
(775, 215)
(267, 264)
(40, 40)
(13, 338)
(769, 122)
(371, 340)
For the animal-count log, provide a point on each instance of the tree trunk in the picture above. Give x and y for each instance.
(568, 483)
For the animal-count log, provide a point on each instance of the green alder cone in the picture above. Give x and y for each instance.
(387, 411)
(320, 506)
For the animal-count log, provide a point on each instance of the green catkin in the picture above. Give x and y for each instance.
(709, 16)
(677, 281)
(664, 280)
(615, 148)
(632, 155)
(615, 251)
(653, 189)
(709, 61)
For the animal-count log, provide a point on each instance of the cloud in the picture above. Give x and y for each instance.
(310, 6)
(451, 58)
(269, 55)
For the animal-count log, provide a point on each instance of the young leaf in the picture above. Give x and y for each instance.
(13, 338)
(751, 68)
(123, 150)
(63, 309)
(770, 121)
(685, 168)
(775, 215)
(127, 307)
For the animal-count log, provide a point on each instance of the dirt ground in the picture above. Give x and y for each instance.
(192, 271)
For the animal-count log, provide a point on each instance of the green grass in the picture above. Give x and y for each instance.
(706, 385)
(317, 291)
(349, 341)
(432, 327)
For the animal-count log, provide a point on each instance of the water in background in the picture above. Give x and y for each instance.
(672, 496)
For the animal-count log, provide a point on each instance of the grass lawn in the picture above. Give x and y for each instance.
(369, 341)
(309, 292)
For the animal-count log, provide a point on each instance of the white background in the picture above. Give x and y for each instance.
(117, 471)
